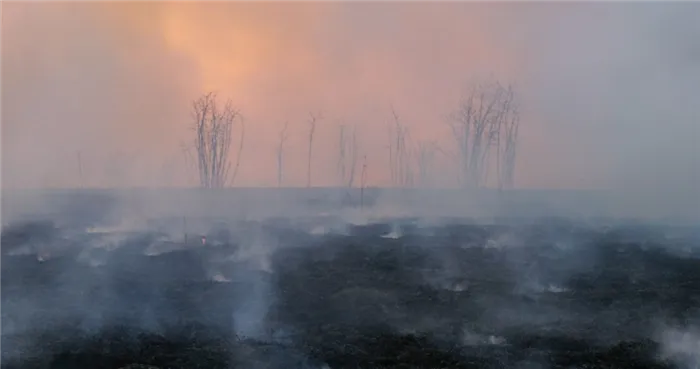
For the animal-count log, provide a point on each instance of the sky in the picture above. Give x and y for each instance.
(608, 90)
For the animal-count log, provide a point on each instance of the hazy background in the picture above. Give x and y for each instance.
(610, 91)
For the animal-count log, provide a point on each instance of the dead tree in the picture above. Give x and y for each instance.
(213, 135)
(400, 167)
(477, 127)
(280, 153)
(312, 129)
(347, 156)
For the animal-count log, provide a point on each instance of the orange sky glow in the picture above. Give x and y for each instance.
(114, 81)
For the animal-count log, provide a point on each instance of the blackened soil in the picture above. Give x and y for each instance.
(553, 295)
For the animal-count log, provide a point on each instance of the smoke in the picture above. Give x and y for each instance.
(606, 89)
(99, 95)
(76, 80)
(293, 57)
(613, 86)
(681, 346)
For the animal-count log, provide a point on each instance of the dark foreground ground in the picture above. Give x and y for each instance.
(549, 294)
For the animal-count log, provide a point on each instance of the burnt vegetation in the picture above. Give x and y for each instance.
(546, 295)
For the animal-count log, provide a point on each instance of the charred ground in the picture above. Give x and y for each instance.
(550, 293)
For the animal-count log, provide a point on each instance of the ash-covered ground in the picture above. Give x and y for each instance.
(328, 292)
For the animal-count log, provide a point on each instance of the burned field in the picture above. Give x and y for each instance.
(545, 294)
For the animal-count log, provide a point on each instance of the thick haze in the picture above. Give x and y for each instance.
(610, 91)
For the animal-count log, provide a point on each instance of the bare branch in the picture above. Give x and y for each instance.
(213, 128)
(479, 127)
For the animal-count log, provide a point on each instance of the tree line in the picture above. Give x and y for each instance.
(484, 126)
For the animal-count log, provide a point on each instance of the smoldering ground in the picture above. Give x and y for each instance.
(273, 291)
(111, 279)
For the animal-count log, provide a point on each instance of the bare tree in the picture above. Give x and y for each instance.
(477, 127)
(347, 155)
(214, 127)
(399, 153)
(280, 153)
(312, 129)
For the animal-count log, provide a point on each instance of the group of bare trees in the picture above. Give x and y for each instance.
(485, 127)
(405, 155)
(347, 152)
(485, 124)
(214, 126)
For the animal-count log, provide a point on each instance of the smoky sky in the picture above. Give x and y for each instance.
(609, 91)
